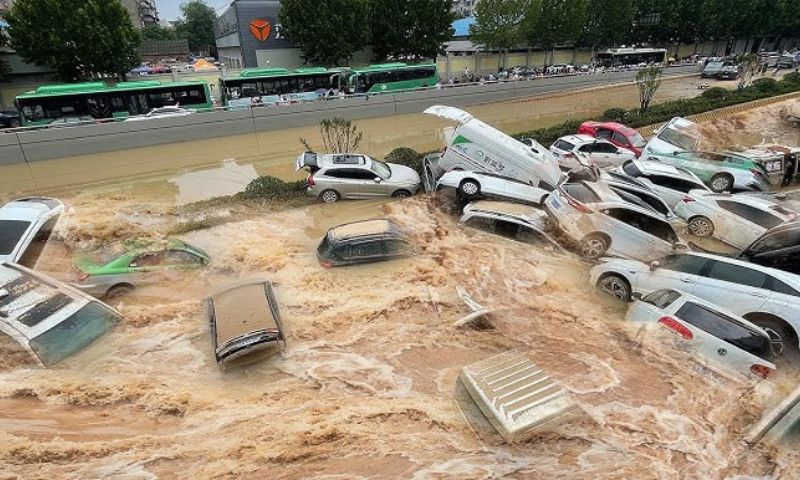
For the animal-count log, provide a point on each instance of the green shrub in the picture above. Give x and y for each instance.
(792, 80)
(615, 115)
(272, 188)
(716, 93)
(764, 85)
(548, 135)
(406, 156)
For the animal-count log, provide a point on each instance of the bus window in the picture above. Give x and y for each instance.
(118, 105)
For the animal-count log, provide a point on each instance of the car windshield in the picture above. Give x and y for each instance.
(637, 140)
(74, 334)
(11, 231)
(679, 137)
(714, 65)
(631, 169)
(381, 169)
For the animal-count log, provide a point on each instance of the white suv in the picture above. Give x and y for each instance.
(767, 297)
(24, 220)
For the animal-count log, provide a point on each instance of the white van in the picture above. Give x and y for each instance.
(476, 146)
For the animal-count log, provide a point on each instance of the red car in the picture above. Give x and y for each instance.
(616, 133)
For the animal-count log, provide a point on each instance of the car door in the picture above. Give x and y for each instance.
(779, 250)
(621, 141)
(630, 235)
(371, 185)
(677, 272)
(742, 289)
(146, 269)
(607, 155)
(735, 225)
(784, 301)
(521, 191)
(347, 181)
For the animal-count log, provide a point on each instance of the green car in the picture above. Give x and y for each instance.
(722, 172)
(137, 267)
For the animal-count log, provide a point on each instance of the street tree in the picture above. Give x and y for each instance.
(77, 38)
(498, 25)
(157, 32)
(749, 69)
(4, 68)
(554, 22)
(328, 32)
(608, 23)
(409, 28)
(197, 25)
(648, 80)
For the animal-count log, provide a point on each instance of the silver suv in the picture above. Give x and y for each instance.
(355, 176)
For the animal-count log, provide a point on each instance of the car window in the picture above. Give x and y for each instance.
(481, 223)
(367, 249)
(752, 214)
(602, 147)
(350, 173)
(148, 260)
(651, 201)
(563, 145)
(673, 183)
(777, 241)
(680, 137)
(631, 169)
(580, 192)
(181, 257)
(637, 140)
(619, 138)
(396, 247)
(529, 235)
(348, 159)
(778, 286)
(728, 272)
(588, 148)
(662, 298)
(380, 169)
(684, 263)
(726, 328)
(644, 223)
(11, 231)
(604, 133)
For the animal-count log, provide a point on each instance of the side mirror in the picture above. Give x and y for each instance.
(377, 180)
(655, 265)
(636, 295)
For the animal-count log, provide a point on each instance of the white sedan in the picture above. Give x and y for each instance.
(163, 112)
(473, 184)
(569, 148)
(737, 220)
(23, 221)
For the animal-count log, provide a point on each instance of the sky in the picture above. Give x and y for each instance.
(171, 9)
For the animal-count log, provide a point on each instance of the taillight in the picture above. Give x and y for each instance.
(310, 180)
(762, 371)
(688, 199)
(575, 204)
(326, 263)
(676, 327)
(756, 172)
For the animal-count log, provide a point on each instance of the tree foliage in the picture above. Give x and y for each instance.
(499, 24)
(77, 38)
(749, 69)
(553, 22)
(197, 25)
(409, 28)
(157, 32)
(4, 69)
(327, 31)
(648, 80)
(608, 22)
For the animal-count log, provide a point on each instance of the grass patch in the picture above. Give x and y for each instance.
(192, 225)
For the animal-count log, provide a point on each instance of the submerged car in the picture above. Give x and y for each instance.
(473, 184)
(734, 219)
(510, 220)
(726, 343)
(245, 323)
(366, 241)
(24, 221)
(620, 135)
(602, 222)
(50, 320)
(722, 172)
(137, 267)
(603, 153)
(355, 176)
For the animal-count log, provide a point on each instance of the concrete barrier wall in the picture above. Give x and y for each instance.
(42, 144)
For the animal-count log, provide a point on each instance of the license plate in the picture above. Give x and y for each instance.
(554, 202)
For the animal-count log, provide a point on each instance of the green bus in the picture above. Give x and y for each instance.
(388, 77)
(269, 86)
(97, 100)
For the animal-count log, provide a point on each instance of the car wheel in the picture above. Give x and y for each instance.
(118, 291)
(401, 194)
(701, 227)
(469, 187)
(14, 124)
(721, 182)
(616, 286)
(594, 246)
(330, 196)
(786, 337)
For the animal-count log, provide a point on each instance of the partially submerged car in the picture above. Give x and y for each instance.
(355, 176)
(734, 219)
(24, 221)
(138, 266)
(473, 184)
(475, 146)
(722, 172)
(50, 320)
(245, 323)
(510, 220)
(603, 153)
(717, 339)
(366, 241)
(671, 183)
(620, 135)
(602, 222)
(516, 396)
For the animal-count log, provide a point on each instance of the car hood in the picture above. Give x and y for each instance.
(403, 174)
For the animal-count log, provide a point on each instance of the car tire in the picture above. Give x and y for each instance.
(469, 187)
(701, 227)
(401, 194)
(616, 286)
(14, 124)
(721, 182)
(788, 337)
(594, 246)
(330, 196)
(118, 291)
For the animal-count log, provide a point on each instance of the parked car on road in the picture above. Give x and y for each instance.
(620, 135)
(10, 119)
(602, 222)
(765, 296)
(734, 219)
(49, 319)
(245, 323)
(24, 221)
(722, 172)
(671, 183)
(717, 339)
(712, 69)
(163, 112)
(355, 176)
(510, 220)
(729, 71)
(604, 154)
(366, 241)
(474, 184)
(136, 268)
